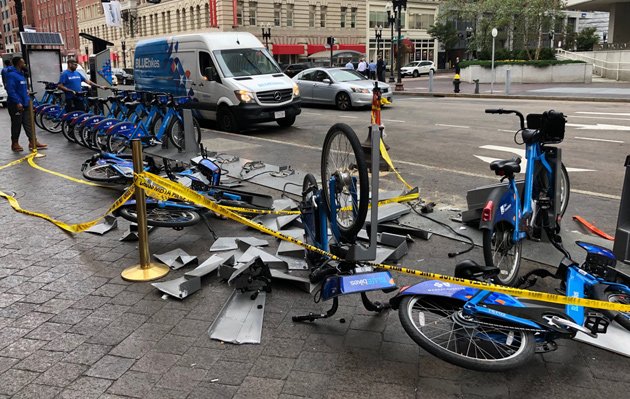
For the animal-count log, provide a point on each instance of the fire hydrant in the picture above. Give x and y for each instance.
(456, 81)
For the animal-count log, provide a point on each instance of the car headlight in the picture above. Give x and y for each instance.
(296, 90)
(360, 90)
(244, 96)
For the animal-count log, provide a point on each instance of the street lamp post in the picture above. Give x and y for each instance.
(469, 34)
(391, 18)
(266, 34)
(398, 6)
(378, 33)
(495, 32)
(123, 45)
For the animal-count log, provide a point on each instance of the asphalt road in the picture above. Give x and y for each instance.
(443, 145)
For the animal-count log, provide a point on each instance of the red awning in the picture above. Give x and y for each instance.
(356, 47)
(315, 48)
(289, 49)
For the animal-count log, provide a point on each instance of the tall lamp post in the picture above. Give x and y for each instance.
(378, 33)
(391, 19)
(495, 32)
(266, 34)
(399, 5)
(123, 45)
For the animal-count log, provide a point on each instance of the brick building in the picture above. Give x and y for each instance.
(8, 17)
(58, 16)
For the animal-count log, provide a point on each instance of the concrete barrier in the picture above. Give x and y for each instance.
(564, 73)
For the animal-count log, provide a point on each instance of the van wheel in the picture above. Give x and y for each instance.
(226, 120)
(286, 122)
(343, 101)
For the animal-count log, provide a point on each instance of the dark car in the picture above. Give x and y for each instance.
(124, 75)
(294, 69)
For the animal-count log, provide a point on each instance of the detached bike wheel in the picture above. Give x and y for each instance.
(103, 173)
(499, 250)
(565, 189)
(615, 295)
(440, 327)
(175, 132)
(163, 217)
(343, 159)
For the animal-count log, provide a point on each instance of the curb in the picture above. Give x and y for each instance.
(513, 97)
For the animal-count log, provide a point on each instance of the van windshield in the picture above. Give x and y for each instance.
(245, 62)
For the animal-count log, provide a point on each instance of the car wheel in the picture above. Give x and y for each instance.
(415, 73)
(343, 101)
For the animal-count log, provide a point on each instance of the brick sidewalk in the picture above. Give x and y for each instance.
(70, 327)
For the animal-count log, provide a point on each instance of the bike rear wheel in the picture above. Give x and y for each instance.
(103, 173)
(175, 132)
(162, 217)
(500, 250)
(440, 327)
(117, 144)
(51, 124)
(343, 159)
(615, 295)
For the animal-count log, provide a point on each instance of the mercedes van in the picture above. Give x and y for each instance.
(231, 76)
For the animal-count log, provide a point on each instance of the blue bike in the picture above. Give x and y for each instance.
(510, 216)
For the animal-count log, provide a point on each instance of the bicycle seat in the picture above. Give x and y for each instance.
(132, 104)
(506, 167)
(103, 100)
(530, 136)
(469, 269)
(92, 99)
(58, 93)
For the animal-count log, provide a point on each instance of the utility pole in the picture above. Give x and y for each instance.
(399, 5)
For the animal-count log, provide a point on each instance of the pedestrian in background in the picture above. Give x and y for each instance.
(380, 68)
(70, 82)
(349, 65)
(5, 69)
(19, 104)
(362, 67)
(372, 68)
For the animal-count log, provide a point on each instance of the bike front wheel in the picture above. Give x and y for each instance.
(51, 124)
(343, 160)
(163, 217)
(615, 295)
(103, 173)
(500, 250)
(176, 135)
(440, 327)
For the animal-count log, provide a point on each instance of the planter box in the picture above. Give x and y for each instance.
(565, 73)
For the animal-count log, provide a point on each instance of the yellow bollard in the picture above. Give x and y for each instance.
(145, 271)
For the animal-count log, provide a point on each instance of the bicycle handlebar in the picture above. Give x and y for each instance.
(502, 111)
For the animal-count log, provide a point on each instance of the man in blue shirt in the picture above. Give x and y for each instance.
(19, 104)
(70, 82)
(372, 68)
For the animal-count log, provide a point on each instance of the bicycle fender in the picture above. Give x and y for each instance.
(124, 129)
(69, 116)
(106, 123)
(505, 210)
(497, 196)
(51, 110)
(92, 121)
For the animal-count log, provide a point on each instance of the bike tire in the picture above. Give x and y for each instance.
(615, 295)
(175, 132)
(508, 274)
(117, 144)
(67, 130)
(565, 186)
(158, 216)
(350, 221)
(38, 120)
(51, 125)
(440, 313)
(103, 173)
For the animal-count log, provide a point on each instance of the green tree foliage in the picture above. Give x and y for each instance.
(445, 33)
(586, 39)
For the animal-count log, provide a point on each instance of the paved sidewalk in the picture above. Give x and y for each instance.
(70, 327)
(599, 90)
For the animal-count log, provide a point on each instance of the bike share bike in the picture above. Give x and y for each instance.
(469, 327)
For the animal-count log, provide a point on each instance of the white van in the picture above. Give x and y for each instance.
(232, 77)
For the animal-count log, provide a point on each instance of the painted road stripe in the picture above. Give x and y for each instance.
(418, 165)
(393, 120)
(603, 140)
(506, 131)
(348, 117)
(603, 113)
(599, 117)
(455, 126)
(311, 113)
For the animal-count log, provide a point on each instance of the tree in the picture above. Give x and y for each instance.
(445, 33)
(586, 39)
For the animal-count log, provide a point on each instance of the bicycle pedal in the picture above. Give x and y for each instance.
(546, 347)
(597, 323)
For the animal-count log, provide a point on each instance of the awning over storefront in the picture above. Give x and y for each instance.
(288, 49)
(355, 47)
(315, 48)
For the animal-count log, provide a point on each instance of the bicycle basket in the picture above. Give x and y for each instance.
(552, 127)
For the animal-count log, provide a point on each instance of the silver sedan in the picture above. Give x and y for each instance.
(342, 87)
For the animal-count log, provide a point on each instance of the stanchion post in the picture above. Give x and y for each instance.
(431, 81)
(508, 81)
(145, 271)
(31, 115)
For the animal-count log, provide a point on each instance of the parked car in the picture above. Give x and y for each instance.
(417, 68)
(339, 86)
(3, 95)
(123, 75)
(293, 69)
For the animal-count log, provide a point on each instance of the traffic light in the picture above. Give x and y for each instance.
(330, 40)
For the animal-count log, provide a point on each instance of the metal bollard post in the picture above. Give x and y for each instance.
(621, 247)
(508, 80)
(145, 271)
(31, 115)
(431, 81)
(476, 81)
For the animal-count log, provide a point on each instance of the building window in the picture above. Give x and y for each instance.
(253, 11)
(322, 16)
(240, 6)
(168, 21)
(207, 15)
(277, 14)
(290, 9)
(378, 18)
(344, 12)
(198, 17)
(179, 21)
(420, 21)
(353, 17)
(184, 23)
(311, 16)
(163, 22)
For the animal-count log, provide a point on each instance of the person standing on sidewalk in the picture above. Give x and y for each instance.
(5, 69)
(372, 68)
(19, 104)
(70, 82)
(380, 69)
(362, 67)
(350, 65)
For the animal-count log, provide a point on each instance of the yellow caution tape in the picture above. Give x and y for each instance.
(174, 189)
(31, 162)
(16, 162)
(71, 228)
(389, 162)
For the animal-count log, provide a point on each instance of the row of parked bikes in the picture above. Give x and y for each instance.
(469, 327)
(109, 124)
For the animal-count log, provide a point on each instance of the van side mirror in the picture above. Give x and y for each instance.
(211, 74)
